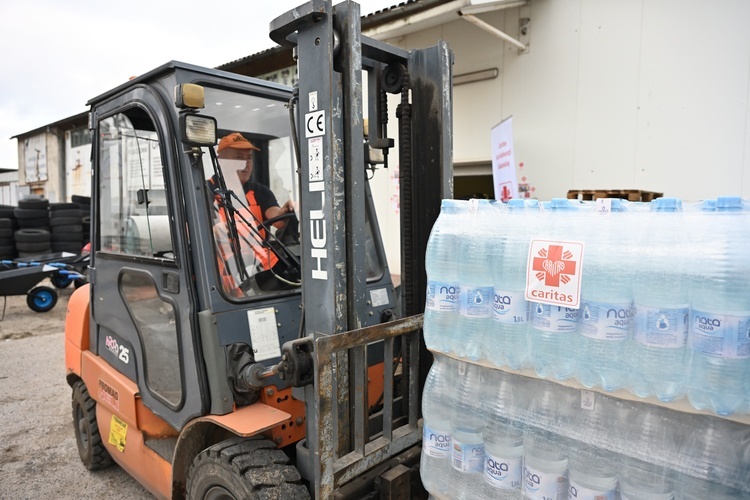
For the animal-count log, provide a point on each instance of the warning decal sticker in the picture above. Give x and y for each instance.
(117, 432)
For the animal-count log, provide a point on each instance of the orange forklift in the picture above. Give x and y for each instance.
(221, 353)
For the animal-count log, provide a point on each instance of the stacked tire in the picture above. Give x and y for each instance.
(8, 226)
(67, 227)
(33, 234)
(84, 204)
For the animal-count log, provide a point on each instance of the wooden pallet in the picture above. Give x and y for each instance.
(625, 194)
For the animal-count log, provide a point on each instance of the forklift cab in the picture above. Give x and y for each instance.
(184, 274)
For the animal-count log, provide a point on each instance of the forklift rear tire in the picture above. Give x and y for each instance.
(41, 299)
(244, 468)
(90, 447)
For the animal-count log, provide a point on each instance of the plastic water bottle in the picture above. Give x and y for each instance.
(606, 298)
(642, 481)
(719, 335)
(660, 290)
(510, 314)
(545, 474)
(467, 424)
(691, 488)
(442, 302)
(545, 468)
(593, 469)
(591, 476)
(649, 437)
(717, 451)
(503, 438)
(475, 281)
(552, 329)
(436, 429)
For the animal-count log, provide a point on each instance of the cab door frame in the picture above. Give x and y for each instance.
(117, 332)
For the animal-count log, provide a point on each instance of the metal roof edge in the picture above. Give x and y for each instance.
(69, 120)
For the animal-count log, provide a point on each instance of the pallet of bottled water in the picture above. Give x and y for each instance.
(492, 434)
(651, 298)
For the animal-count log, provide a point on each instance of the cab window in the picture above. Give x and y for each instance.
(132, 189)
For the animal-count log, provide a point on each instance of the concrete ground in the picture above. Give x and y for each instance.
(38, 454)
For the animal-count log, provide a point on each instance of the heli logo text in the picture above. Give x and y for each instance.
(553, 274)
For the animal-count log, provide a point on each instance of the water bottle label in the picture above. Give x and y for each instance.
(540, 485)
(436, 443)
(720, 335)
(554, 319)
(510, 308)
(468, 457)
(605, 321)
(665, 328)
(578, 492)
(503, 472)
(476, 302)
(443, 297)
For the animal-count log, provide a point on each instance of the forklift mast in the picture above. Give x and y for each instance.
(332, 57)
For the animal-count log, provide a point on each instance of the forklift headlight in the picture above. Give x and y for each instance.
(198, 130)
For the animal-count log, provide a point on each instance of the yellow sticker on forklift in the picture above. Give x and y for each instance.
(117, 432)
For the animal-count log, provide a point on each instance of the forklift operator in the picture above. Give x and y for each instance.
(261, 200)
(235, 157)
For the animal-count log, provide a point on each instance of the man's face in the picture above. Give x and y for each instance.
(245, 155)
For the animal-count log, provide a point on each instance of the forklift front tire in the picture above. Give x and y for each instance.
(90, 447)
(244, 468)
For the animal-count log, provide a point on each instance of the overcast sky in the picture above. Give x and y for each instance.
(56, 55)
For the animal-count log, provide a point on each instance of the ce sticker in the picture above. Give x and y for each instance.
(315, 124)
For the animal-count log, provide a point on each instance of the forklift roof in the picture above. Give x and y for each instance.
(173, 66)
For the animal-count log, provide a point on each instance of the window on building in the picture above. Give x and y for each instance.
(80, 137)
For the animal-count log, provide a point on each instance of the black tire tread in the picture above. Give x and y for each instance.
(54, 207)
(34, 291)
(31, 213)
(40, 223)
(33, 203)
(67, 236)
(100, 457)
(77, 198)
(32, 235)
(264, 470)
(65, 221)
(72, 212)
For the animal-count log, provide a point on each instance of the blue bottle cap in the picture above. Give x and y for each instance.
(453, 206)
(560, 204)
(725, 203)
(708, 205)
(618, 205)
(666, 205)
(516, 204)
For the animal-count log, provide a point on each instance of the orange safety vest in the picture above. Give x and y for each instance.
(265, 256)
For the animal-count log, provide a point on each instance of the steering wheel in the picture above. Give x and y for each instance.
(280, 233)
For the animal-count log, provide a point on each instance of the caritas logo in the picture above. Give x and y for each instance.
(553, 273)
